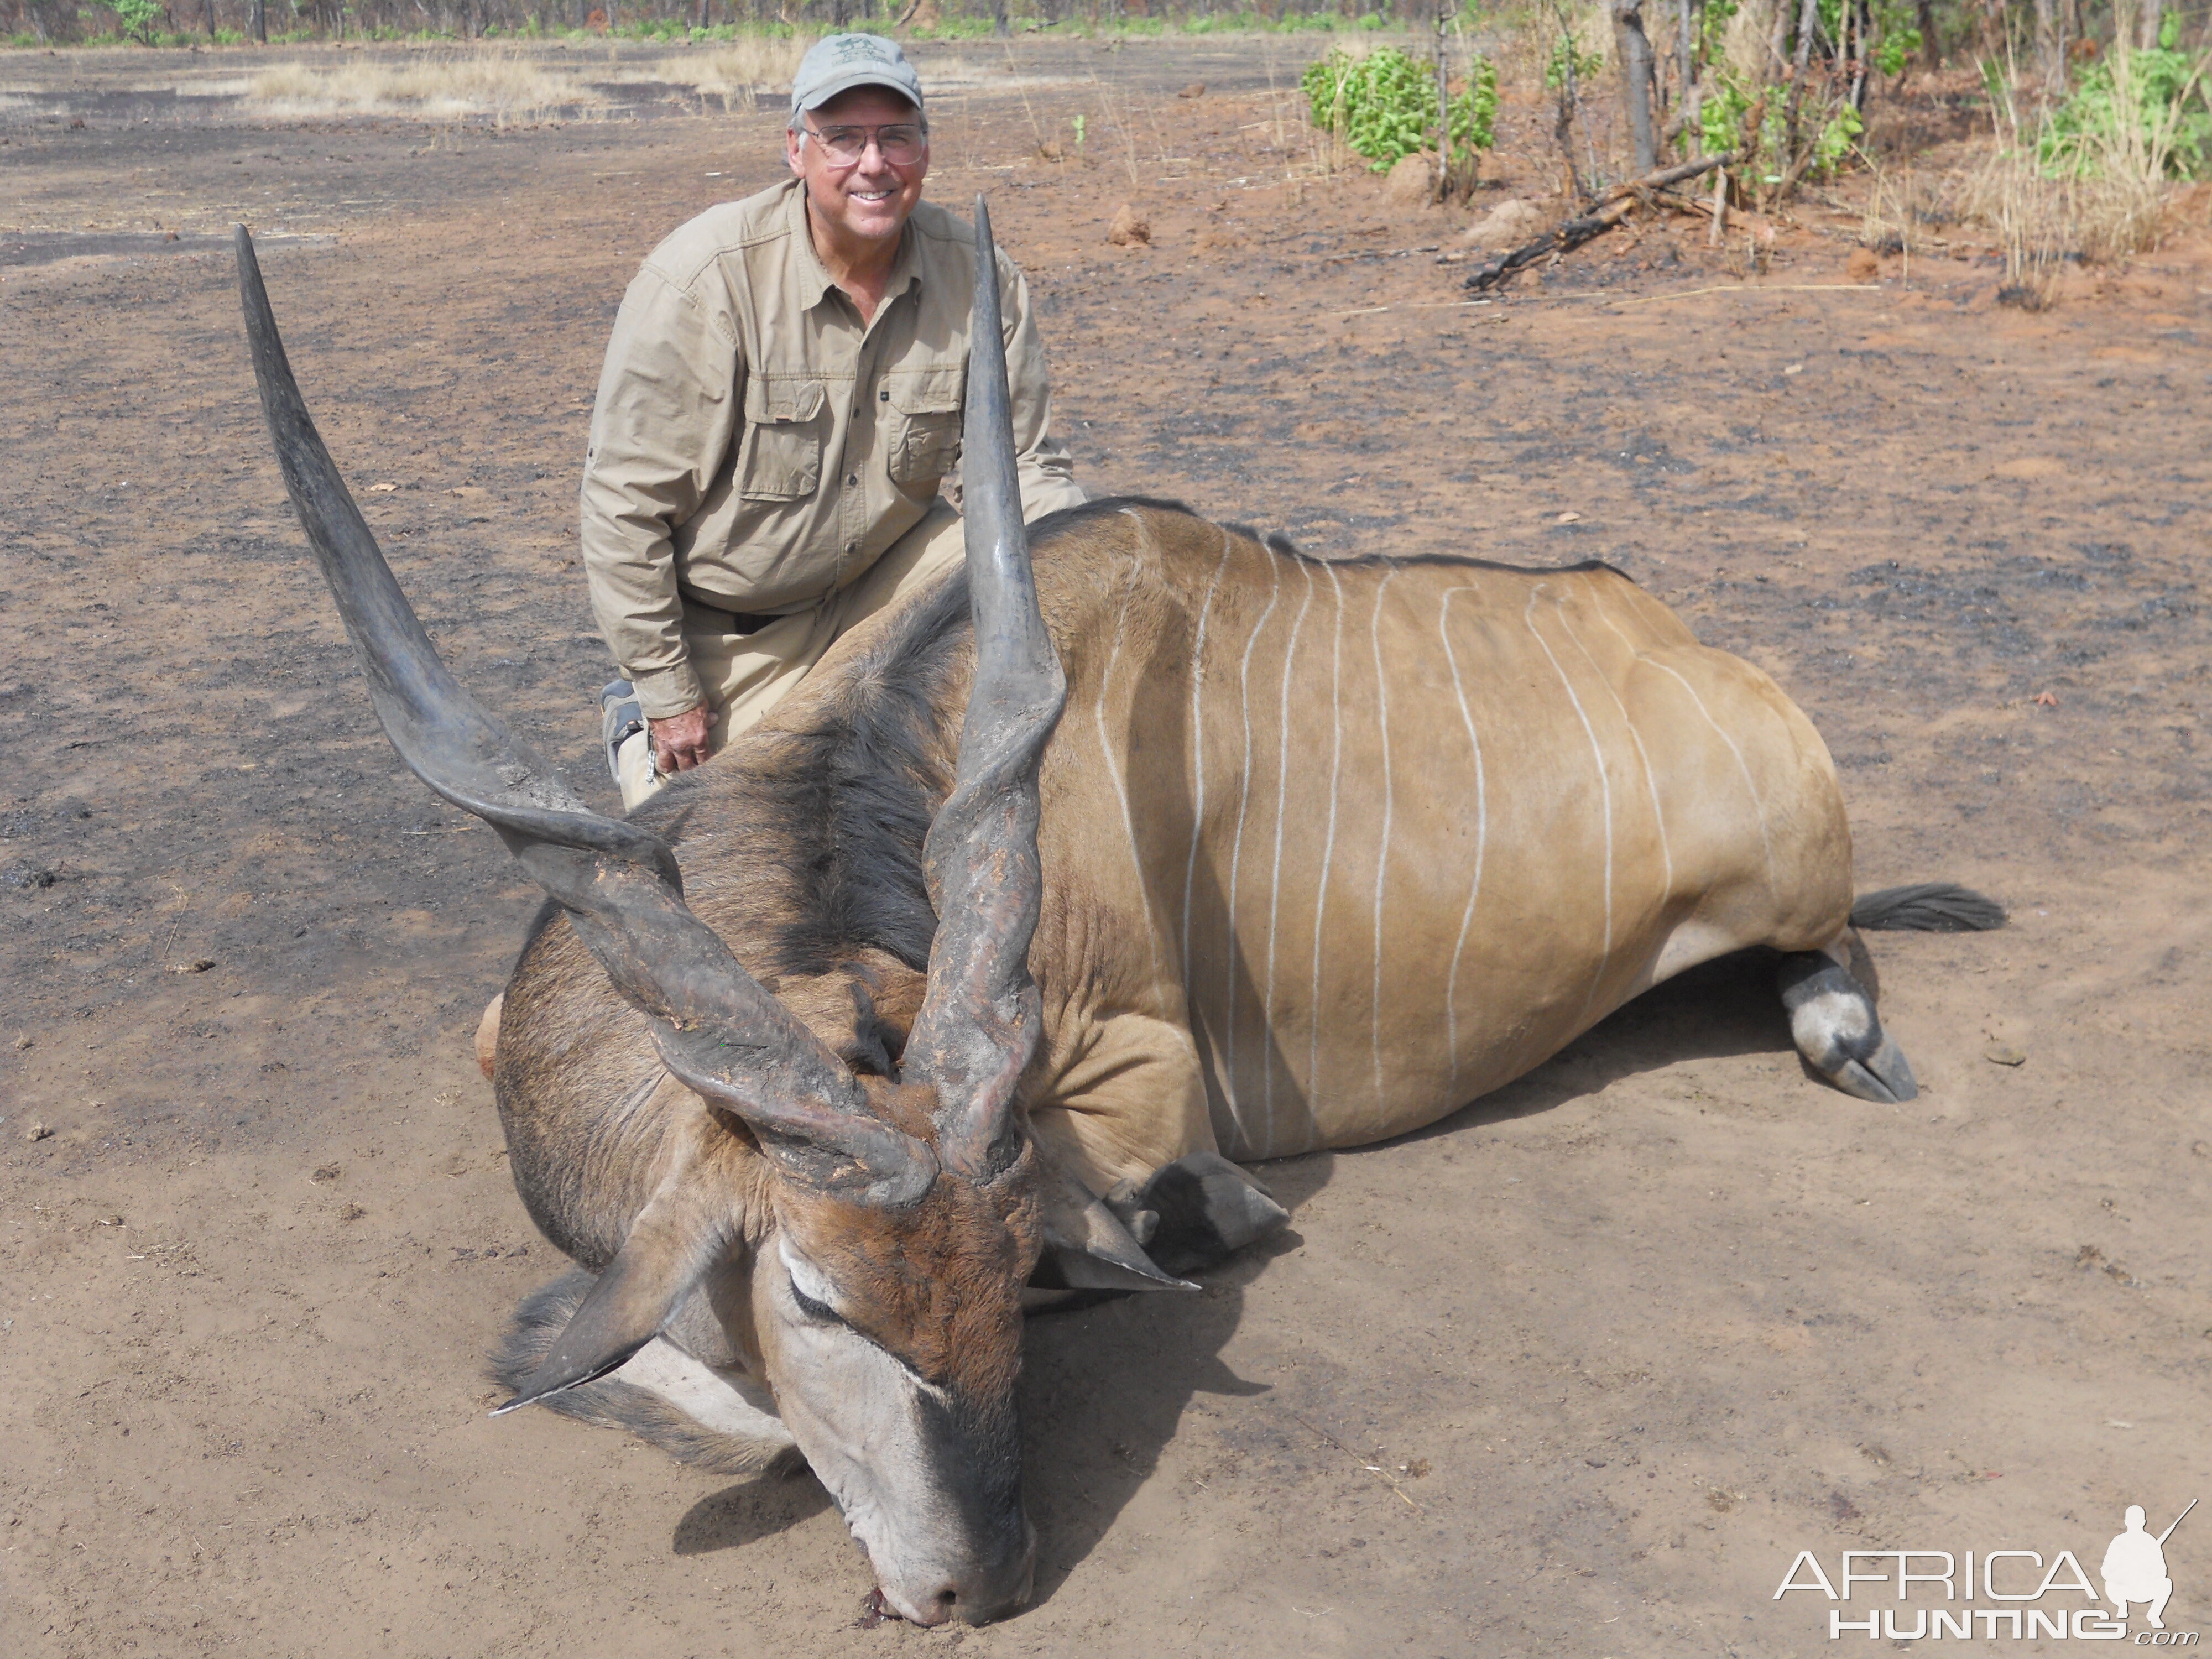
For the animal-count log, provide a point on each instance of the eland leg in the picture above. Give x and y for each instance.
(1834, 1023)
(1208, 1209)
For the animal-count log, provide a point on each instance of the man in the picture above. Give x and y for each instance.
(781, 398)
(2133, 1569)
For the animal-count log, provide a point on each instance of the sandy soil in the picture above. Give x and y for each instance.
(1576, 1373)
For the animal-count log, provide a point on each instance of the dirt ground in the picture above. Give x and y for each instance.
(1577, 1373)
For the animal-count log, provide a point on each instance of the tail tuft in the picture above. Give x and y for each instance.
(1928, 907)
(538, 1323)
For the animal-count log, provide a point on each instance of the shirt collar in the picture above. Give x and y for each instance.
(813, 275)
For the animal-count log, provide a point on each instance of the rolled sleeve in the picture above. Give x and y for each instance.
(668, 410)
(1046, 471)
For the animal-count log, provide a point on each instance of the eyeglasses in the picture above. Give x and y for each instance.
(901, 143)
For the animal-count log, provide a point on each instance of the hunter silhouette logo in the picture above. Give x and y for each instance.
(2135, 1568)
(2029, 1591)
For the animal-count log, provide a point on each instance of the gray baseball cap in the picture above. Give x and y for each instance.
(838, 63)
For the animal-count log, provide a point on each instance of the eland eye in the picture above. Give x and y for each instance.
(820, 1311)
(809, 1290)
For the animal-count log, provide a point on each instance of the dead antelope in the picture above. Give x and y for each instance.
(947, 1014)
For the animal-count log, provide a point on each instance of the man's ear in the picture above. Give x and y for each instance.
(791, 152)
(1087, 1247)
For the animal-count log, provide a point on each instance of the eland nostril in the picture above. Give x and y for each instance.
(994, 1592)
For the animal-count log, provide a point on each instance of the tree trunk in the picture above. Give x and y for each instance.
(1570, 99)
(1636, 79)
(1808, 25)
(1861, 52)
(257, 20)
(2147, 22)
(2046, 42)
(1931, 54)
(210, 19)
(1444, 103)
(1002, 25)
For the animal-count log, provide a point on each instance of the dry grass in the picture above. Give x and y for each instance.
(506, 86)
(1898, 205)
(732, 73)
(2106, 207)
(2032, 218)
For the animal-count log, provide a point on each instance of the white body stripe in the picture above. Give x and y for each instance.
(1236, 841)
(1383, 850)
(1642, 756)
(1481, 834)
(1275, 873)
(1198, 749)
(1328, 842)
(1742, 767)
(1605, 791)
(1106, 747)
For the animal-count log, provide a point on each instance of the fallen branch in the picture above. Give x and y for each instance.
(1613, 206)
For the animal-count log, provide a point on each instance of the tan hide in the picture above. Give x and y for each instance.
(1393, 833)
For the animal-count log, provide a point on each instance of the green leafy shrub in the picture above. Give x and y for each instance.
(136, 18)
(1729, 101)
(1383, 107)
(1899, 44)
(2138, 99)
(1566, 58)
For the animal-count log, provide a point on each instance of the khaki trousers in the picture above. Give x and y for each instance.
(745, 675)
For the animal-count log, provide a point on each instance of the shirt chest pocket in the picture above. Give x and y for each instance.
(781, 457)
(923, 442)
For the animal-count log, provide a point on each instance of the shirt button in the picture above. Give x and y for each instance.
(851, 480)
(883, 396)
(852, 548)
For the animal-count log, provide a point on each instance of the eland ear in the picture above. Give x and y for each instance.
(676, 1240)
(1087, 1247)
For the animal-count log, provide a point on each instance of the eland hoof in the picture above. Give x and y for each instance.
(1208, 1210)
(1834, 1023)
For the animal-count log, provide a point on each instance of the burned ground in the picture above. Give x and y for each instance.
(1578, 1372)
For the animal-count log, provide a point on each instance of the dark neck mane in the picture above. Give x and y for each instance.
(848, 800)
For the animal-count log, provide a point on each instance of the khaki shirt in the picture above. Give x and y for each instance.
(754, 447)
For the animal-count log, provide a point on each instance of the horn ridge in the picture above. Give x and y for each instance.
(981, 1017)
(719, 1032)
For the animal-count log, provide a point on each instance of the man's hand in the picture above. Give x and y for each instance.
(679, 743)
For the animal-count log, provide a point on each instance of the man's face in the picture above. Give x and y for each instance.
(868, 200)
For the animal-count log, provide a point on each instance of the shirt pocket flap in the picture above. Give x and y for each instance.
(929, 391)
(769, 399)
(924, 436)
(782, 456)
